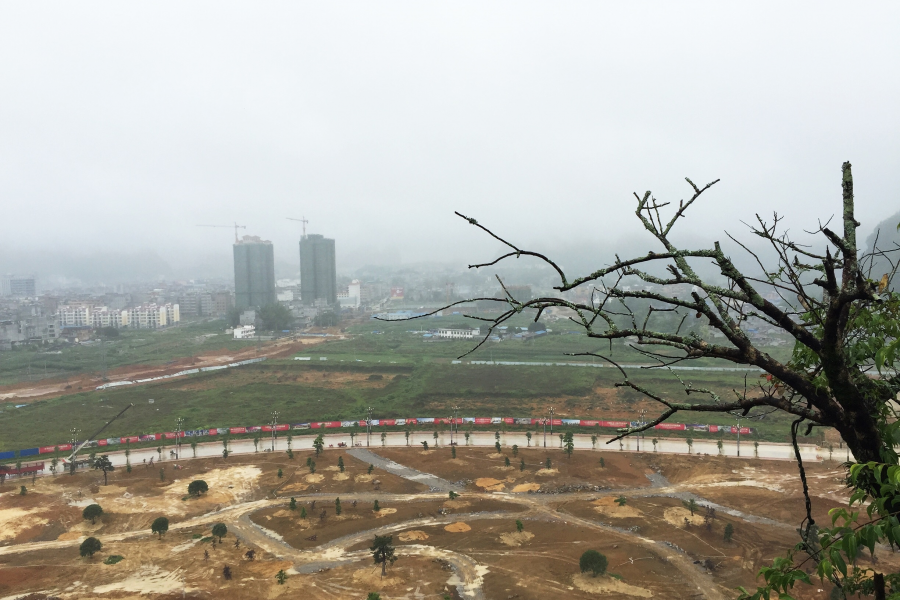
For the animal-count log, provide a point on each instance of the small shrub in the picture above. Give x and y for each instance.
(113, 559)
(453, 495)
(376, 507)
(293, 504)
(519, 526)
(280, 474)
(729, 532)
(90, 546)
(197, 487)
(372, 467)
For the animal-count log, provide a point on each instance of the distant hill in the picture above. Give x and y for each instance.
(887, 237)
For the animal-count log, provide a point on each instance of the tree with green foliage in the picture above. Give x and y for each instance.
(194, 449)
(102, 463)
(453, 451)
(522, 465)
(290, 454)
(568, 444)
(372, 467)
(721, 446)
(293, 504)
(425, 444)
(602, 463)
(376, 507)
(519, 526)
(548, 464)
(593, 441)
(197, 487)
(497, 435)
(312, 466)
(383, 438)
(467, 434)
(756, 449)
(505, 461)
(528, 438)
(341, 464)
(302, 512)
(158, 451)
(435, 436)
(337, 506)
(515, 450)
(691, 505)
(497, 447)
(690, 445)
(22, 490)
(373, 596)
(159, 526)
(621, 500)
(655, 442)
(92, 512)
(162, 473)
(319, 444)
(593, 562)
(275, 317)
(220, 530)
(383, 552)
(328, 319)
(453, 495)
(281, 577)
(256, 443)
(406, 434)
(729, 532)
(280, 474)
(90, 546)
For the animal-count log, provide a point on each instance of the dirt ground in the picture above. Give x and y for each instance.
(654, 546)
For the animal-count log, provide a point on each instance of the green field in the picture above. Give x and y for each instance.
(132, 347)
(247, 396)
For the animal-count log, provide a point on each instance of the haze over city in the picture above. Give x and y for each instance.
(126, 125)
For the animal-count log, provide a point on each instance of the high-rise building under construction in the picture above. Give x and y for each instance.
(254, 273)
(318, 275)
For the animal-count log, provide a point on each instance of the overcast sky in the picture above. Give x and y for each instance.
(124, 125)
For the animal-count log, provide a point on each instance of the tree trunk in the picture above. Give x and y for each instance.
(878, 580)
(383, 565)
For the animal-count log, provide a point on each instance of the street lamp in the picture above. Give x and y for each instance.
(74, 450)
(274, 425)
(369, 425)
(179, 426)
(551, 427)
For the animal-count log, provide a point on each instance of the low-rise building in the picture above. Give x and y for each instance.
(458, 334)
(244, 332)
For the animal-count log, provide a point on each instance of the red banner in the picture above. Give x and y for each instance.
(387, 422)
(102, 442)
(584, 423)
(670, 426)
(482, 420)
(237, 430)
(331, 424)
(616, 424)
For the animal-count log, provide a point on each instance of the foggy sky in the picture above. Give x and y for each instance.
(123, 125)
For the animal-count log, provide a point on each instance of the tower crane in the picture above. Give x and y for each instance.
(236, 227)
(302, 220)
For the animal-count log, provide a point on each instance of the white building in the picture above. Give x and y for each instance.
(458, 334)
(350, 297)
(244, 332)
(153, 316)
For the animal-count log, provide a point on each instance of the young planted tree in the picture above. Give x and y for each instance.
(453, 451)
(621, 500)
(655, 442)
(293, 504)
(497, 447)
(312, 467)
(92, 512)
(337, 506)
(568, 444)
(280, 474)
(256, 443)
(372, 467)
(506, 461)
(519, 526)
(691, 505)
(383, 438)
(102, 463)
(593, 562)
(319, 444)
(721, 446)
(515, 450)
(383, 552)
(522, 465)
(406, 435)
(197, 487)
(594, 441)
(690, 445)
(341, 464)
(159, 526)
(467, 435)
(376, 507)
(528, 438)
(548, 463)
(435, 436)
(841, 316)
(302, 512)
(220, 530)
(729, 532)
(281, 577)
(89, 547)
(194, 449)
(453, 495)
(425, 444)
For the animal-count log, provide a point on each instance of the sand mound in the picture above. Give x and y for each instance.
(458, 527)
(487, 482)
(371, 578)
(13, 521)
(314, 478)
(516, 538)
(340, 477)
(426, 452)
(364, 477)
(412, 536)
(608, 585)
(677, 514)
(385, 512)
(458, 461)
(150, 579)
(457, 504)
(607, 506)
(495, 455)
(503, 468)
(548, 472)
(526, 487)
(332, 468)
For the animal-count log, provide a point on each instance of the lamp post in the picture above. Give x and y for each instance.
(274, 425)
(179, 426)
(738, 436)
(640, 434)
(369, 425)
(551, 427)
(74, 447)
